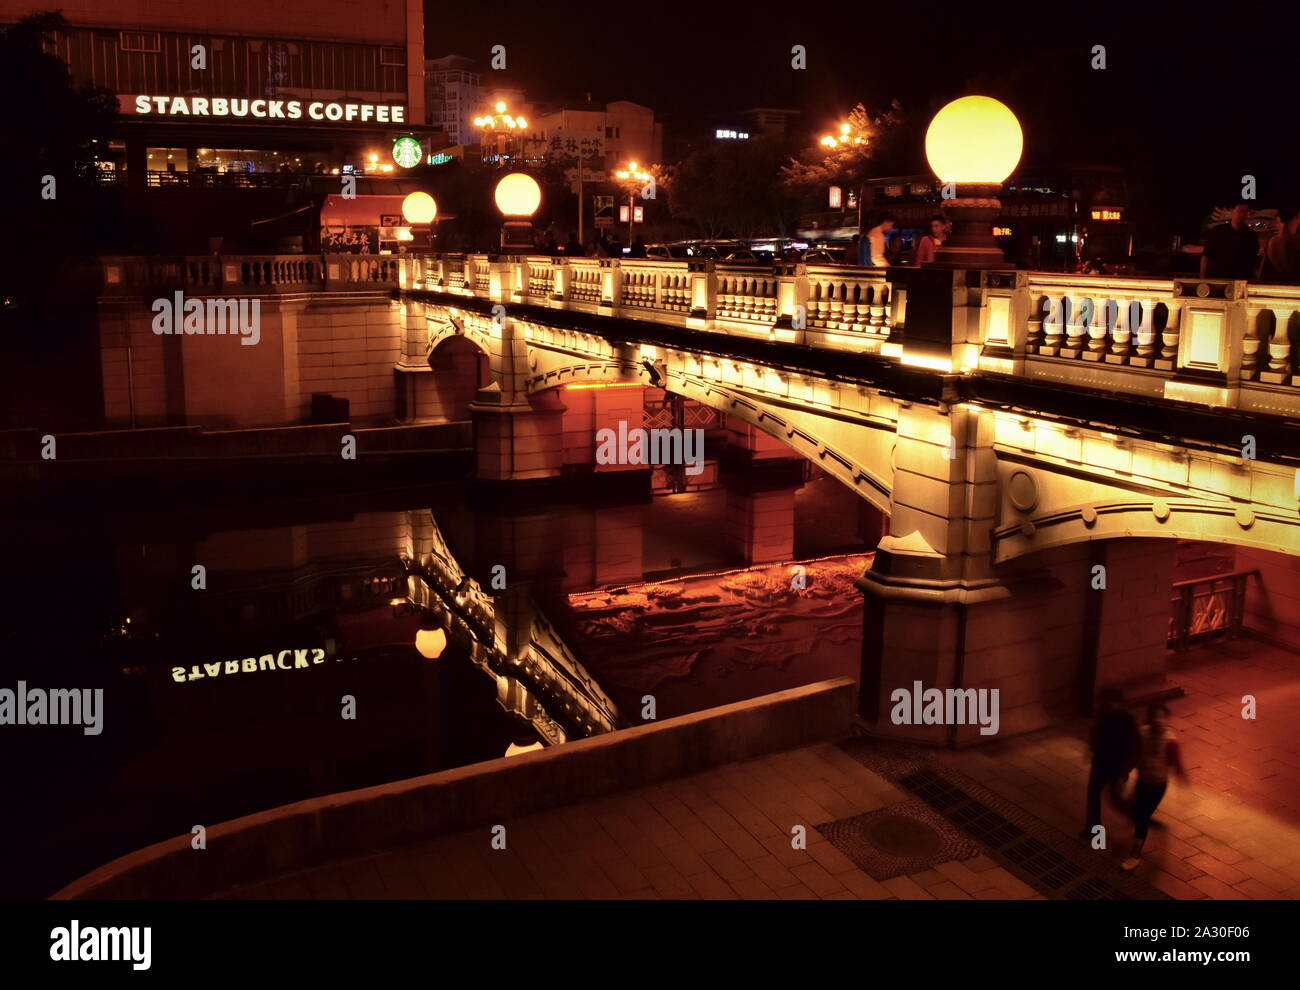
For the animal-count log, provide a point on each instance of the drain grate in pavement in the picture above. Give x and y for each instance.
(1034, 851)
(906, 838)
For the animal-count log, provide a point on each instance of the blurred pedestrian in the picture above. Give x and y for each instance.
(1114, 751)
(1232, 248)
(1281, 261)
(637, 250)
(877, 237)
(573, 247)
(1158, 756)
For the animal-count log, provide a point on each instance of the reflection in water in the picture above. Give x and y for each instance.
(255, 654)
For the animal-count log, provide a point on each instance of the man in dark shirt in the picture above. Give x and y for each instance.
(1114, 751)
(1232, 248)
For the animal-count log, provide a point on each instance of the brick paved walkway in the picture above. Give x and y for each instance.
(1232, 832)
(720, 834)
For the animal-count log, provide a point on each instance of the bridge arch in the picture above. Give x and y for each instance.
(859, 458)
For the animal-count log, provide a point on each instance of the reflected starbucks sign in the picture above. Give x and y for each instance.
(283, 660)
(407, 152)
(228, 108)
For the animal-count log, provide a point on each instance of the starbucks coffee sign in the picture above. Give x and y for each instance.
(228, 108)
(283, 660)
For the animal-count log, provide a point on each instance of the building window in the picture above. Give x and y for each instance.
(392, 56)
(138, 41)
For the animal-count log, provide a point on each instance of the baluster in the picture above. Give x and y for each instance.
(1121, 342)
(878, 296)
(1074, 329)
(1098, 329)
(1053, 324)
(1169, 337)
(839, 294)
(1279, 346)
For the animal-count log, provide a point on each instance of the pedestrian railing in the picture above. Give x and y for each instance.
(1207, 606)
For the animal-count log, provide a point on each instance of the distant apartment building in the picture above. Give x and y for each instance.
(456, 93)
(621, 132)
(454, 96)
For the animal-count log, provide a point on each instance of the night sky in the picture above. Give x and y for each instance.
(1193, 98)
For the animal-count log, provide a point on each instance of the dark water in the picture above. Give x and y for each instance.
(100, 595)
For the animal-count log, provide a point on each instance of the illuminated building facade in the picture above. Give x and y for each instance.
(245, 94)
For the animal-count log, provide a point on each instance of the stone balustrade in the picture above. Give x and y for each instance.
(250, 274)
(1212, 342)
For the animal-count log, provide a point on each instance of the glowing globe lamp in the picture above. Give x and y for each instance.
(419, 207)
(518, 195)
(975, 140)
(430, 643)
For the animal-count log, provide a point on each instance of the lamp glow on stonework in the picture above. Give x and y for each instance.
(973, 144)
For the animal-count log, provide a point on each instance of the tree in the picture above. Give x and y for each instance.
(864, 145)
(732, 188)
(55, 221)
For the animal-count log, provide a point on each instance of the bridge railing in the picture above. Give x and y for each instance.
(1216, 342)
(250, 274)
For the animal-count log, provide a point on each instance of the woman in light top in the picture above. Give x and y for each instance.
(1158, 755)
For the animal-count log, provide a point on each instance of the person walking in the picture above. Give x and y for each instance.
(1232, 248)
(874, 253)
(1114, 751)
(1158, 756)
(637, 250)
(1281, 261)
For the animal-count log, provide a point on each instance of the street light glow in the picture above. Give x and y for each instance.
(419, 207)
(975, 139)
(518, 195)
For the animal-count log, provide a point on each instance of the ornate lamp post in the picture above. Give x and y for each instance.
(972, 145)
(501, 125)
(636, 179)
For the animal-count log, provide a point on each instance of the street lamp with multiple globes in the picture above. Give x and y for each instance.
(517, 197)
(636, 178)
(501, 124)
(972, 145)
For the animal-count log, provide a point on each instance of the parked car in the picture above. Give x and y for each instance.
(821, 256)
(667, 252)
